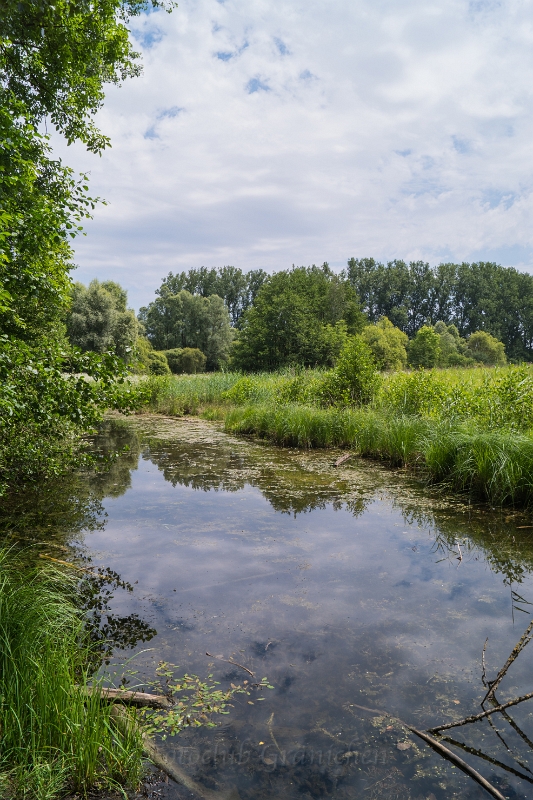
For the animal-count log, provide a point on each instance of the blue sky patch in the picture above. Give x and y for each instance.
(282, 47)
(257, 85)
(148, 39)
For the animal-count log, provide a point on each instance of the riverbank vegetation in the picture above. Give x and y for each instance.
(55, 736)
(469, 430)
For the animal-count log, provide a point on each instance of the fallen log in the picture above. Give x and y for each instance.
(140, 699)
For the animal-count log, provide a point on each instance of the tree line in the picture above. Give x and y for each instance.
(302, 316)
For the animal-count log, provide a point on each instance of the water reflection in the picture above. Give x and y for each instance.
(347, 587)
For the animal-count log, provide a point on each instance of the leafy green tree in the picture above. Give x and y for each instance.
(100, 321)
(479, 296)
(54, 62)
(238, 289)
(299, 317)
(485, 349)
(387, 343)
(186, 320)
(56, 57)
(157, 363)
(424, 349)
(186, 360)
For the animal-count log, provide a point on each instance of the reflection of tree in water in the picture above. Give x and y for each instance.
(219, 467)
(474, 532)
(48, 519)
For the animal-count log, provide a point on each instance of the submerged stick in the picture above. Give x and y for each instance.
(445, 752)
(125, 723)
(483, 714)
(235, 664)
(517, 649)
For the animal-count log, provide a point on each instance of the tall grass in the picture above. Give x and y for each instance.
(54, 736)
(496, 466)
(469, 429)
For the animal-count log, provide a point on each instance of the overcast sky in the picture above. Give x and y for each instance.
(263, 134)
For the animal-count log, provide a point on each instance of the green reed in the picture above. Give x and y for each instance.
(55, 736)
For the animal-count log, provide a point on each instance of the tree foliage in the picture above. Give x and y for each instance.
(186, 320)
(387, 344)
(424, 349)
(298, 317)
(238, 289)
(481, 296)
(54, 62)
(56, 57)
(99, 320)
(186, 360)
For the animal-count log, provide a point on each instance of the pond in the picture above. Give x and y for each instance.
(346, 587)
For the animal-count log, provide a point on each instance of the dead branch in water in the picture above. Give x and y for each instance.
(342, 459)
(126, 724)
(140, 699)
(483, 714)
(443, 751)
(235, 664)
(517, 649)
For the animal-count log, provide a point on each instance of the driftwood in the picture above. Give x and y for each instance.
(443, 751)
(227, 661)
(125, 723)
(342, 459)
(140, 699)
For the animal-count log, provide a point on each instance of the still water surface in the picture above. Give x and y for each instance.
(345, 586)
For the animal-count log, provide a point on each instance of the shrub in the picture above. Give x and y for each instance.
(484, 348)
(186, 360)
(354, 379)
(387, 343)
(424, 350)
(157, 363)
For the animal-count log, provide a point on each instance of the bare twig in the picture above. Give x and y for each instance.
(483, 714)
(235, 664)
(483, 670)
(517, 649)
(270, 722)
(460, 556)
(446, 753)
(485, 757)
(66, 563)
(125, 723)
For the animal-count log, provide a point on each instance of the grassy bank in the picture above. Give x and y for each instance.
(54, 738)
(470, 430)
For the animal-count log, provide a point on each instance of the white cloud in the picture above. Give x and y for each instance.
(263, 134)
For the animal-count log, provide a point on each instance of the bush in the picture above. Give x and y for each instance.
(157, 363)
(354, 379)
(484, 348)
(186, 360)
(387, 344)
(424, 350)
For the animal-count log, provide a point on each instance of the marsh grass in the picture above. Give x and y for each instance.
(54, 736)
(470, 430)
(496, 466)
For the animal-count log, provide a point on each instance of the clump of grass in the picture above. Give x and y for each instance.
(54, 737)
(185, 394)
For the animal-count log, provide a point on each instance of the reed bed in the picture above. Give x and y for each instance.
(470, 430)
(55, 738)
(496, 466)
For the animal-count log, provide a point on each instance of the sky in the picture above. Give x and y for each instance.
(267, 134)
